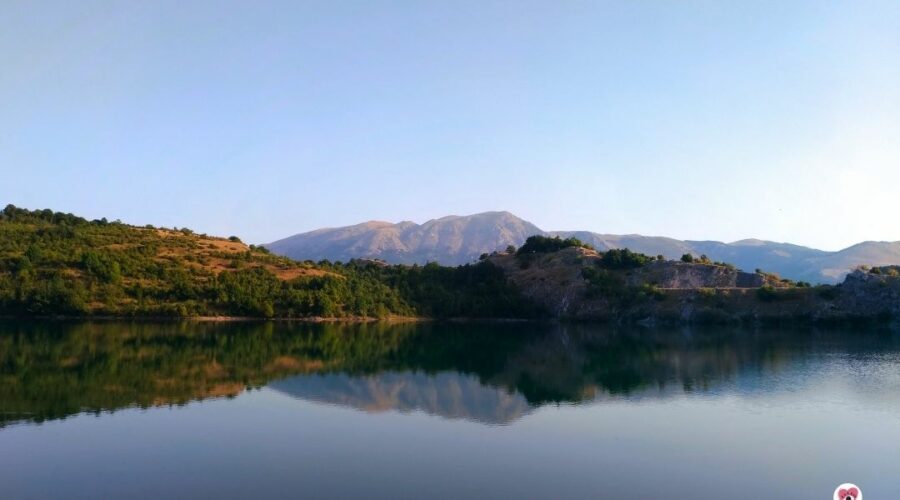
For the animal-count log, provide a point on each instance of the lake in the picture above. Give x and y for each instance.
(291, 410)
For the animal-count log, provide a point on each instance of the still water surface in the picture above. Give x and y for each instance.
(280, 410)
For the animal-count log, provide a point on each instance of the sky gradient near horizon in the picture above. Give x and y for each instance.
(696, 120)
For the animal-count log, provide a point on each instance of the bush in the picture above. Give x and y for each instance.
(687, 258)
(653, 292)
(767, 293)
(623, 259)
(601, 282)
(544, 244)
(234, 239)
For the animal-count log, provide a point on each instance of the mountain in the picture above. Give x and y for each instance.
(456, 240)
(451, 240)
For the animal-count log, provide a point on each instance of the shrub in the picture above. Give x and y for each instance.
(601, 282)
(653, 292)
(234, 239)
(623, 259)
(687, 258)
(767, 293)
(544, 244)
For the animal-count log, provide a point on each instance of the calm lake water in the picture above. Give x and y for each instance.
(280, 410)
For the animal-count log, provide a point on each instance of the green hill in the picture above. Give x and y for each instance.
(54, 263)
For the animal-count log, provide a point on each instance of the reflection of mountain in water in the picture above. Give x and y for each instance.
(446, 394)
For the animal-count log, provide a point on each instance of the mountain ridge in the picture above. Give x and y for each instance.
(457, 240)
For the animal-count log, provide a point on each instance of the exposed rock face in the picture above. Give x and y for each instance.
(555, 280)
(677, 292)
(668, 274)
(871, 294)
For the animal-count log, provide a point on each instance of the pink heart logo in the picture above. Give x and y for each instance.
(851, 492)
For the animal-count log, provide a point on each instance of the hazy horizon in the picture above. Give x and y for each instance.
(702, 121)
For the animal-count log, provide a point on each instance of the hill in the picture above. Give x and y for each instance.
(54, 263)
(458, 240)
(571, 280)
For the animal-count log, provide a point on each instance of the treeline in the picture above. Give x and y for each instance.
(473, 290)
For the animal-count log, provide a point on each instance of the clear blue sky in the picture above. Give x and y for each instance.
(703, 120)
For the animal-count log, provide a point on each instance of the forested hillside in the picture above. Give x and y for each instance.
(54, 263)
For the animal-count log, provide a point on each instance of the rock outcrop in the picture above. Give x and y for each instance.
(669, 274)
(871, 293)
(679, 292)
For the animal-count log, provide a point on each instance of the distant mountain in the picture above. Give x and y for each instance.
(458, 240)
(449, 240)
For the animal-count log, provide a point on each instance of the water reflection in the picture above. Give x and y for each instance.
(487, 373)
(446, 394)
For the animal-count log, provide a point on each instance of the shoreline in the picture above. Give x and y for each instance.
(222, 319)
(641, 323)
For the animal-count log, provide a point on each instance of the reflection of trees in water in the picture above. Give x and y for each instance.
(54, 369)
(51, 370)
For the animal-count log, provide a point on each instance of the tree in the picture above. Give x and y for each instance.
(623, 259)
(687, 258)
(544, 244)
(510, 249)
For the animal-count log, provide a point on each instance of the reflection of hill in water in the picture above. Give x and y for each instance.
(446, 394)
(485, 373)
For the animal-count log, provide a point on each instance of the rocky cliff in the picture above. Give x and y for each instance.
(868, 292)
(574, 284)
